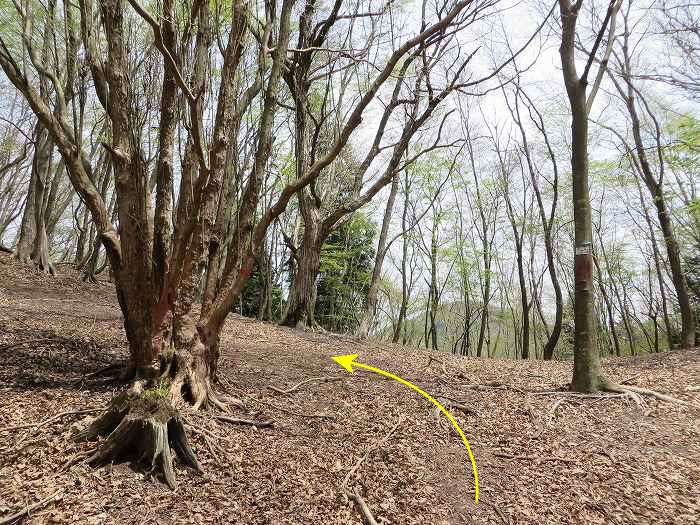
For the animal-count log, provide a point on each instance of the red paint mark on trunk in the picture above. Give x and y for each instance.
(583, 268)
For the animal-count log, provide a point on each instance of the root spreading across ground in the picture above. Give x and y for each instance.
(306, 442)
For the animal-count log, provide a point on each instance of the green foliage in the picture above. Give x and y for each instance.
(686, 129)
(347, 259)
(254, 293)
(682, 154)
(609, 174)
(159, 391)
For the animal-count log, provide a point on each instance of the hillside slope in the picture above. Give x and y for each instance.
(541, 458)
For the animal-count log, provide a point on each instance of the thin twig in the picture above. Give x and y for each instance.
(431, 359)
(281, 409)
(500, 513)
(30, 508)
(625, 381)
(539, 428)
(455, 403)
(251, 422)
(294, 413)
(534, 458)
(362, 505)
(296, 387)
(369, 451)
(52, 418)
(75, 458)
(30, 341)
(367, 516)
(491, 386)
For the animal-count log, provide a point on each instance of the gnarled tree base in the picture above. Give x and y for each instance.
(142, 428)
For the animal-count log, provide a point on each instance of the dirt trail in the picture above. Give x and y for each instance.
(540, 460)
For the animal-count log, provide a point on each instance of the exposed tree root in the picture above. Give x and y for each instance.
(142, 428)
(189, 384)
(606, 387)
(115, 369)
(621, 389)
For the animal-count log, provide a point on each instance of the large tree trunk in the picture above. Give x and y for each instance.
(302, 295)
(149, 291)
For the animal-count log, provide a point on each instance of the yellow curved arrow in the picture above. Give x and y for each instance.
(348, 360)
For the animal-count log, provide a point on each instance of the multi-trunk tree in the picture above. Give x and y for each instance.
(160, 248)
(419, 88)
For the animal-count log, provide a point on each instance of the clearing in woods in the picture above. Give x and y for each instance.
(542, 458)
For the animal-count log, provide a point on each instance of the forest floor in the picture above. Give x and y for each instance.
(541, 458)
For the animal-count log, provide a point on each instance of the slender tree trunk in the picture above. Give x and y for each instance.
(42, 168)
(401, 321)
(687, 336)
(518, 237)
(485, 297)
(656, 189)
(609, 309)
(83, 225)
(372, 292)
(670, 333)
(433, 296)
(27, 230)
(587, 374)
